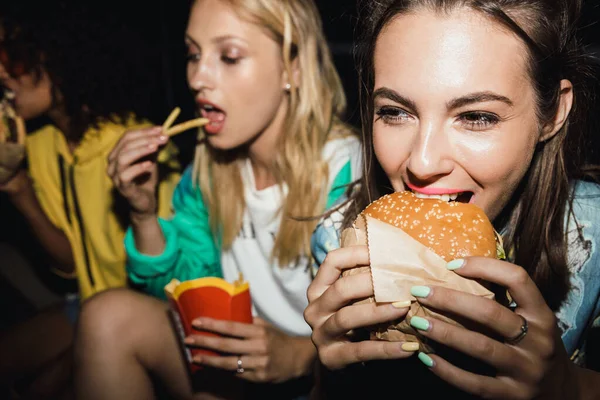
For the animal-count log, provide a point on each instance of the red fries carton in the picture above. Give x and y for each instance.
(206, 297)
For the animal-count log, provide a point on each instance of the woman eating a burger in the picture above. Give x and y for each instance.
(481, 102)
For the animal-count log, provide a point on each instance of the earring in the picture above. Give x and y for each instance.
(288, 87)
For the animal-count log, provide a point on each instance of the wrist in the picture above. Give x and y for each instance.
(306, 356)
(140, 219)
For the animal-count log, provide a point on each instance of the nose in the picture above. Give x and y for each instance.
(430, 158)
(201, 75)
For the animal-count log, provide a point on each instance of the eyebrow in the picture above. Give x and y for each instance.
(477, 97)
(471, 98)
(218, 39)
(390, 94)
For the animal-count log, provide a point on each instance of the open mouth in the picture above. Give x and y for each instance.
(460, 197)
(215, 115)
(212, 113)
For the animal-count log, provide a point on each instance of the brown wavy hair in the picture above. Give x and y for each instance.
(537, 211)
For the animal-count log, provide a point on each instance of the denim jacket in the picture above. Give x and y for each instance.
(580, 312)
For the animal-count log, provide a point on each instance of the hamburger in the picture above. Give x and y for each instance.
(449, 228)
(12, 138)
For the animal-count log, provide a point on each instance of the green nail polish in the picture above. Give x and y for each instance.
(419, 323)
(425, 359)
(455, 264)
(420, 291)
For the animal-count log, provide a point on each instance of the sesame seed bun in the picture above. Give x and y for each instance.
(450, 229)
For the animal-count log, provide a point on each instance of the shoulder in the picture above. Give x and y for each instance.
(342, 147)
(586, 197)
(326, 236)
(583, 260)
(186, 185)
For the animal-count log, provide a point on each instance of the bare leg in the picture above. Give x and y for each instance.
(123, 338)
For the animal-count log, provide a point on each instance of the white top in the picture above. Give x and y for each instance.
(279, 293)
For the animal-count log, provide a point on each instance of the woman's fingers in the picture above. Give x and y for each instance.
(131, 173)
(485, 312)
(131, 150)
(497, 354)
(484, 387)
(336, 261)
(223, 344)
(342, 354)
(516, 279)
(228, 328)
(133, 135)
(342, 292)
(134, 153)
(230, 363)
(361, 315)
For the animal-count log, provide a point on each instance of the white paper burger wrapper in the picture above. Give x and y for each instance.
(399, 262)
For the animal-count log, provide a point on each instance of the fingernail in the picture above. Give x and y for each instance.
(401, 304)
(197, 323)
(162, 138)
(419, 323)
(455, 264)
(410, 346)
(197, 359)
(425, 359)
(420, 291)
(188, 340)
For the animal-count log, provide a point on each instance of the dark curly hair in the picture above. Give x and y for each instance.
(97, 58)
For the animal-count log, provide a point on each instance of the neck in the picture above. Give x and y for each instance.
(262, 151)
(62, 122)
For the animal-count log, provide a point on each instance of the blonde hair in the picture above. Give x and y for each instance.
(315, 105)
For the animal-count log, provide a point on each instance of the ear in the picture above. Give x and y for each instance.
(562, 112)
(295, 80)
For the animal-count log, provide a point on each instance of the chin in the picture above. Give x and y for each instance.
(220, 143)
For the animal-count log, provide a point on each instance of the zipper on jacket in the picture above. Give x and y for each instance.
(63, 187)
(71, 179)
(81, 226)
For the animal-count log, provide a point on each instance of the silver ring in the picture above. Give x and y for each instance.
(240, 368)
(521, 335)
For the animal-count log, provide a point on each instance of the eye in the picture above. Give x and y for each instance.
(192, 56)
(478, 121)
(391, 115)
(230, 60)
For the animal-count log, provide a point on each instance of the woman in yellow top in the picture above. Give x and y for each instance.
(75, 78)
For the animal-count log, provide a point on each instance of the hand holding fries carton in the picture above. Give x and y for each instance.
(206, 297)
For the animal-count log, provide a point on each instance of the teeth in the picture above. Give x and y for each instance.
(208, 107)
(443, 197)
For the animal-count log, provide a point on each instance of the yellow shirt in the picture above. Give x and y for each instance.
(93, 217)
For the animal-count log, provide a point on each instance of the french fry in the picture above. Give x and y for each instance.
(194, 123)
(171, 118)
